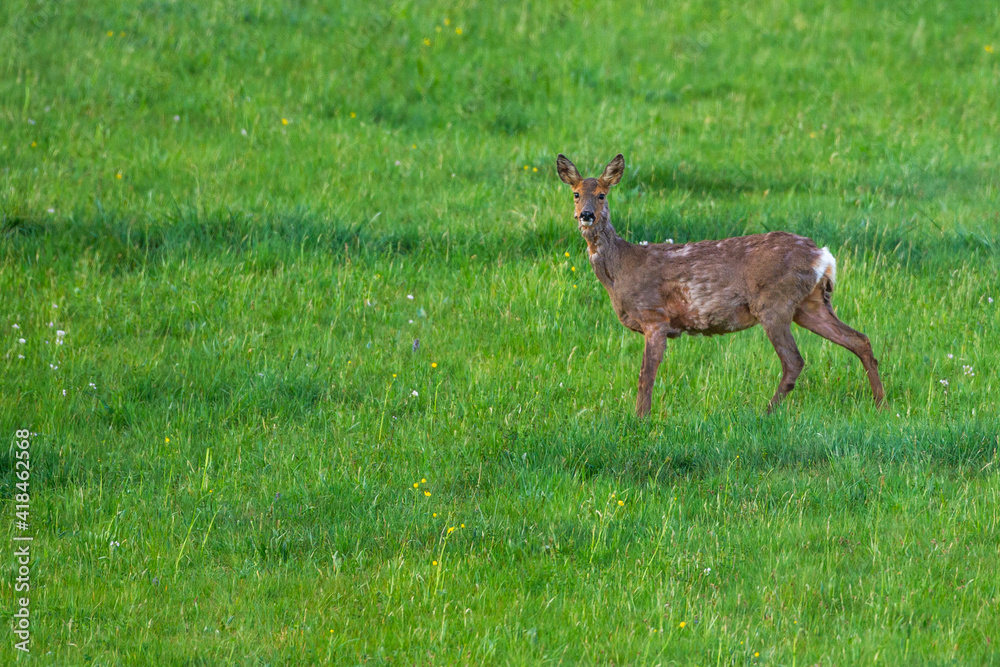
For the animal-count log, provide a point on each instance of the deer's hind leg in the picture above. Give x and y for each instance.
(780, 334)
(816, 314)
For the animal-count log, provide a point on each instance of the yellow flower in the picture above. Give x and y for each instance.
(567, 254)
(526, 167)
(574, 286)
(427, 493)
(682, 624)
(451, 530)
(33, 144)
(434, 515)
(354, 115)
(111, 33)
(437, 28)
(756, 654)
(463, 525)
(621, 503)
(988, 48)
(534, 169)
(434, 364)
(423, 480)
(284, 121)
(393, 375)
(434, 562)
(812, 135)
(168, 439)
(414, 145)
(458, 31)
(447, 21)
(427, 42)
(121, 34)
(118, 175)
(572, 268)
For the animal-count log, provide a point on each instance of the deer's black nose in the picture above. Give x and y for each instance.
(587, 216)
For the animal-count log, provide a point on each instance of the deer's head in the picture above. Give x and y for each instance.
(590, 194)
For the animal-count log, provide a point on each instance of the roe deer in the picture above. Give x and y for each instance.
(662, 290)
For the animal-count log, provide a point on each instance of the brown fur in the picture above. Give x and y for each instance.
(712, 287)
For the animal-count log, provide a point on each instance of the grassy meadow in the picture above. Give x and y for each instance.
(336, 382)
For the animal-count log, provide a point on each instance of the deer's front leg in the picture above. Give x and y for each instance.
(656, 342)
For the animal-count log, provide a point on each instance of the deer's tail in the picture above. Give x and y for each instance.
(826, 272)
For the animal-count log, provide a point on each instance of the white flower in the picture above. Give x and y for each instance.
(16, 326)
(52, 210)
(51, 324)
(944, 382)
(707, 570)
(670, 240)
(59, 341)
(243, 132)
(64, 392)
(951, 356)
(643, 242)
(398, 163)
(990, 299)
(411, 321)
(176, 118)
(414, 393)
(410, 297)
(21, 341)
(93, 386)
(55, 305)
(20, 356)
(60, 332)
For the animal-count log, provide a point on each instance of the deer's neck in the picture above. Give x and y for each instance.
(605, 248)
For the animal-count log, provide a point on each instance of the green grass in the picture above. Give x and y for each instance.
(237, 486)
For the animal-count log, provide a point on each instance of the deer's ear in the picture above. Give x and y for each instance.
(567, 170)
(613, 172)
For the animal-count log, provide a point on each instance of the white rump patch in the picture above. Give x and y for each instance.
(825, 264)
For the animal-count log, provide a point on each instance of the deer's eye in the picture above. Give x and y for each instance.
(600, 196)
(576, 195)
